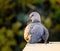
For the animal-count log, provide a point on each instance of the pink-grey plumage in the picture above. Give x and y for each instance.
(35, 31)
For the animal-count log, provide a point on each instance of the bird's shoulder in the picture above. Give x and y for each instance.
(28, 27)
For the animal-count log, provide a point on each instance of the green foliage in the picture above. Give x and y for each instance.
(48, 23)
(56, 28)
(29, 3)
(6, 48)
(10, 34)
(57, 15)
(20, 33)
(4, 5)
(16, 26)
(22, 45)
(12, 31)
(53, 3)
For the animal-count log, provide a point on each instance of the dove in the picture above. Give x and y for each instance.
(35, 31)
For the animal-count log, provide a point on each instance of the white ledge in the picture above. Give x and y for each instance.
(52, 46)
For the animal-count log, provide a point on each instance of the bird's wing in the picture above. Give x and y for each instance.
(37, 29)
(46, 34)
(36, 32)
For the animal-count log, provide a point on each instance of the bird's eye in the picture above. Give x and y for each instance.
(31, 16)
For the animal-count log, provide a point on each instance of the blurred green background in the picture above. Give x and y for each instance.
(13, 20)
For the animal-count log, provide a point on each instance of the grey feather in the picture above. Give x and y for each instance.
(35, 31)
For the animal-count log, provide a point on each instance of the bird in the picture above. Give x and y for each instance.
(35, 31)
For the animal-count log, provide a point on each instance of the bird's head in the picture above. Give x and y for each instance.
(34, 16)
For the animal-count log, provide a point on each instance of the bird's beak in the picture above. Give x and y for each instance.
(29, 19)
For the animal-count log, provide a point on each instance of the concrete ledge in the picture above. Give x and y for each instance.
(52, 46)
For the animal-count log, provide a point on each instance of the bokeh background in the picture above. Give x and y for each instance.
(13, 20)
